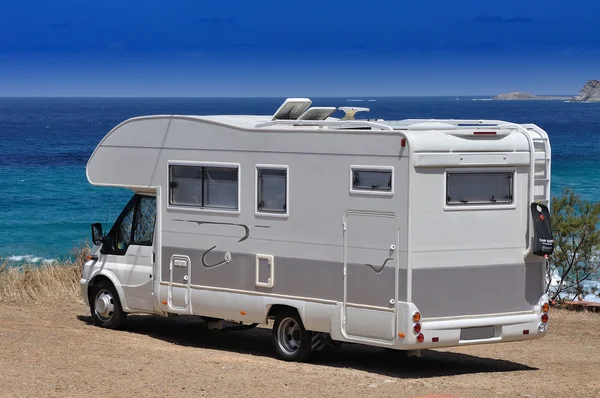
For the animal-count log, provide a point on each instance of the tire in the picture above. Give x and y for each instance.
(105, 306)
(291, 340)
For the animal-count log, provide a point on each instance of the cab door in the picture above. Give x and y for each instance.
(131, 254)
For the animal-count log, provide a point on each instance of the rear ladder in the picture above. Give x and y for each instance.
(541, 143)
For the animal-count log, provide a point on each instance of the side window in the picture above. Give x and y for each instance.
(212, 187)
(145, 217)
(479, 188)
(373, 179)
(271, 189)
(220, 187)
(123, 235)
(135, 225)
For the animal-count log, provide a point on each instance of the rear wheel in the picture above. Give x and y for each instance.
(291, 340)
(105, 306)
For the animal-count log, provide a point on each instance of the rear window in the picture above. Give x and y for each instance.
(479, 188)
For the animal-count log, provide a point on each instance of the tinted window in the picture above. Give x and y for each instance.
(477, 188)
(220, 187)
(372, 180)
(272, 190)
(124, 230)
(145, 217)
(204, 187)
(135, 225)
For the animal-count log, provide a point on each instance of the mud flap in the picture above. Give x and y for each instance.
(543, 241)
(322, 341)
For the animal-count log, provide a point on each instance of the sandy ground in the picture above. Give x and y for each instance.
(50, 349)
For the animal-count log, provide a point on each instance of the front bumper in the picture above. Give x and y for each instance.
(83, 285)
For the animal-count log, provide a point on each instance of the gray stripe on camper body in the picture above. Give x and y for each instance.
(293, 277)
(441, 292)
(437, 292)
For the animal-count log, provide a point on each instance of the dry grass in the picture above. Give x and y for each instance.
(30, 282)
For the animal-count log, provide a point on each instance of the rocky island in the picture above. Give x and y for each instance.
(519, 96)
(514, 96)
(589, 93)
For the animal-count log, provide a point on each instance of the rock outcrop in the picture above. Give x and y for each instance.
(589, 93)
(514, 96)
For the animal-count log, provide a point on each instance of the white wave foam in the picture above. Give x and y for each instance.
(28, 258)
(588, 285)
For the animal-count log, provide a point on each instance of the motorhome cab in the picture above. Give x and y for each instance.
(407, 234)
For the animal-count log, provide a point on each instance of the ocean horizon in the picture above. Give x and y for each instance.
(48, 205)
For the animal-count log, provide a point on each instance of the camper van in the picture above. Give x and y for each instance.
(402, 234)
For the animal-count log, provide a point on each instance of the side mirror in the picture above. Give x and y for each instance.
(97, 233)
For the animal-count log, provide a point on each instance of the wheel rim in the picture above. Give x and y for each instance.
(289, 336)
(104, 305)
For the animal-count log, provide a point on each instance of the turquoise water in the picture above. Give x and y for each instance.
(47, 204)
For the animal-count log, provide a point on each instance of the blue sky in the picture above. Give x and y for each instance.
(287, 48)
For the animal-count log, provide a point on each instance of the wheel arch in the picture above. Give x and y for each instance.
(112, 278)
(274, 309)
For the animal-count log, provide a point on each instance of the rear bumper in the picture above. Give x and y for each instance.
(480, 329)
(494, 329)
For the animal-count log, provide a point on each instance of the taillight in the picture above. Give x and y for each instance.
(416, 316)
(417, 327)
(546, 307)
(544, 318)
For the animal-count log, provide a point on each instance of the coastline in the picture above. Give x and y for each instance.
(539, 98)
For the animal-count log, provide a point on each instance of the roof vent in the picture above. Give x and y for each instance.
(318, 113)
(292, 108)
(350, 111)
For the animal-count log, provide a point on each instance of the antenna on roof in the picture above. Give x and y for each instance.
(292, 108)
(351, 110)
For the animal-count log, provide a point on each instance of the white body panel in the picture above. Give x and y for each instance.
(355, 263)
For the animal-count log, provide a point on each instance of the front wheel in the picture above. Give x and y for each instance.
(105, 306)
(291, 340)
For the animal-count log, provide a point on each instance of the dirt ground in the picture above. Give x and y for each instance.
(50, 349)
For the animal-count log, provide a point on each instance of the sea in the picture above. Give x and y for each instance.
(47, 204)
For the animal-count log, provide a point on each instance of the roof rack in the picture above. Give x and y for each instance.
(458, 122)
(323, 123)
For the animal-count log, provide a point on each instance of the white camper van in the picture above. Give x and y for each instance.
(404, 234)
